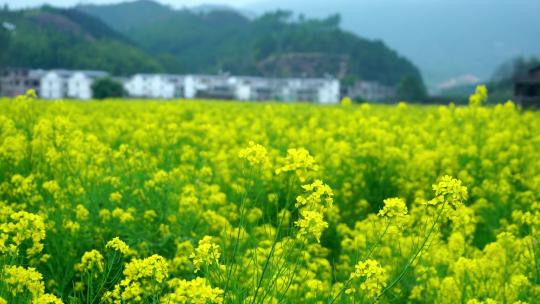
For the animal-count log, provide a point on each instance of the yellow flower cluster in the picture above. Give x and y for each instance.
(449, 190)
(18, 227)
(143, 280)
(211, 202)
(196, 291)
(393, 208)
(255, 154)
(320, 196)
(312, 207)
(372, 275)
(91, 261)
(479, 97)
(207, 253)
(117, 244)
(27, 283)
(23, 280)
(300, 162)
(311, 223)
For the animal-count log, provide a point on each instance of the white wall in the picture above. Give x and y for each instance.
(151, 86)
(329, 92)
(190, 90)
(53, 86)
(161, 87)
(243, 91)
(79, 86)
(140, 85)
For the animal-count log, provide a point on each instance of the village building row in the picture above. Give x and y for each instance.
(76, 84)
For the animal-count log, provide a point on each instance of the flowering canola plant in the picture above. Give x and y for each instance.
(211, 202)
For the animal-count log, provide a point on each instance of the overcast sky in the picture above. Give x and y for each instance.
(175, 3)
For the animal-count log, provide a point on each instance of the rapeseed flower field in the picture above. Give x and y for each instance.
(227, 202)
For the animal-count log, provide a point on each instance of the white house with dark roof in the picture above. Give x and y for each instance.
(54, 84)
(80, 83)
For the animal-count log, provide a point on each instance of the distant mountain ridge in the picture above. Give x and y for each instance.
(446, 39)
(215, 39)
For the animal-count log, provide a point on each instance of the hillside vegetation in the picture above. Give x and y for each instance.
(226, 40)
(58, 38)
(144, 36)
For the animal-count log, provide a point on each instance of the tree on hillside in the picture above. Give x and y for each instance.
(411, 89)
(506, 73)
(106, 88)
(501, 85)
(4, 42)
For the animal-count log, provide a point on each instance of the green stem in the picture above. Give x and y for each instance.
(411, 261)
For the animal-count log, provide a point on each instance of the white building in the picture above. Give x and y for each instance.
(223, 86)
(138, 85)
(54, 84)
(212, 87)
(329, 91)
(320, 90)
(17, 81)
(80, 83)
(163, 86)
(370, 91)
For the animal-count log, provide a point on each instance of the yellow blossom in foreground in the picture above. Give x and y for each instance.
(154, 266)
(311, 223)
(143, 278)
(22, 226)
(319, 196)
(115, 197)
(91, 260)
(196, 291)
(300, 162)
(393, 207)
(255, 154)
(206, 253)
(118, 245)
(373, 277)
(23, 280)
(346, 101)
(479, 97)
(123, 215)
(81, 212)
(47, 299)
(449, 190)
(164, 175)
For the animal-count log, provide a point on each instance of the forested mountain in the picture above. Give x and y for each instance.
(67, 38)
(145, 36)
(446, 39)
(274, 44)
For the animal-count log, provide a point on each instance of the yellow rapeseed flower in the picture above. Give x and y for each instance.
(206, 253)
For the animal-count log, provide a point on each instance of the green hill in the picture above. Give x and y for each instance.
(67, 38)
(145, 36)
(275, 44)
